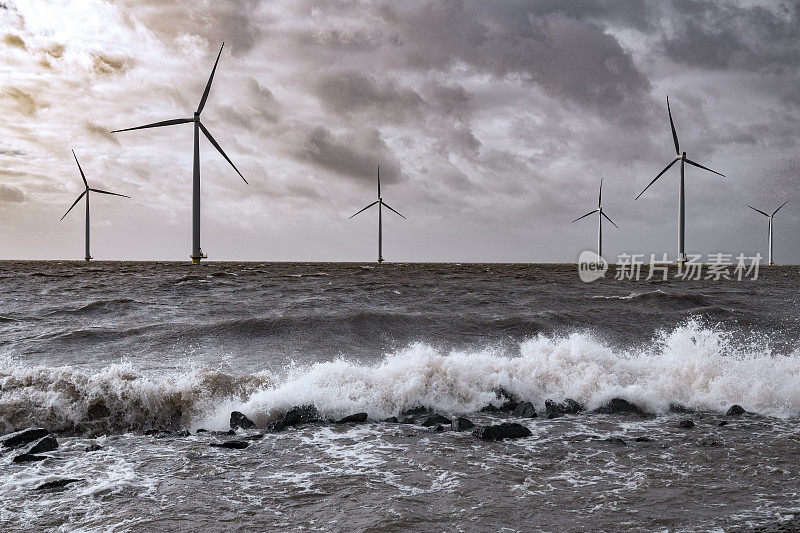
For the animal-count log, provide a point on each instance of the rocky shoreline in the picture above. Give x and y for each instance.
(29, 444)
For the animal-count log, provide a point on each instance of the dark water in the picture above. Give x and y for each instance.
(104, 352)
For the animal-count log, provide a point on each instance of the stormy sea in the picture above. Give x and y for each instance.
(621, 394)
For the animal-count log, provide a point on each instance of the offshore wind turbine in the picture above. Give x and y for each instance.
(770, 225)
(381, 204)
(679, 156)
(600, 215)
(85, 193)
(197, 252)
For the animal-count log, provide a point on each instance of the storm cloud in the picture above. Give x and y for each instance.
(492, 123)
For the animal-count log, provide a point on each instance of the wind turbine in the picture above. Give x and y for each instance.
(86, 194)
(381, 204)
(600, 215)
(770, 225)
(197, 252)
(680, 156)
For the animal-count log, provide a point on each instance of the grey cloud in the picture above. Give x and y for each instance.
(105, 64)
(100, 132)
(721, 35)
(566, 56)
(354, 155)
(11, 194)
(348, 91)
(450, 99)
(233, 21)
(24, 102)
(14, 40)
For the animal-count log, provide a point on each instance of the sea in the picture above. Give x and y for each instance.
(125, 361)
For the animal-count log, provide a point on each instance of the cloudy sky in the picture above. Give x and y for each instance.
(493, 123)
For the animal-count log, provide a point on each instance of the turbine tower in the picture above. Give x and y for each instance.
(770, 225)
(197, 252)
(85, 193)
(600, 215)
(381, 204)
(679, 156)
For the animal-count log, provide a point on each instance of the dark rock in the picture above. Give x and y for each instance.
(618, 406)
(201, 430)
(276, 425)
(20, 438)
(97, 411)
(462, 424)
(300, 415)
(27, 458)
(509, 404)
(524, 410)
(45, 444)
(616, 441)
(417, 410)
(435, 420)
(679, 409)
(94, 448)
(358, 418)
(231, 444)
(438, 429)
(239, 420)
(391, 420)
(183, 433)
(723, 423)
(407, 420)
(686, 424)
(58, 484)
(642, 439)
(502, 431)
(567, 407)
(255, 436)
(735, 410)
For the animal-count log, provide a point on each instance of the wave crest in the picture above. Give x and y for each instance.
(693, 365)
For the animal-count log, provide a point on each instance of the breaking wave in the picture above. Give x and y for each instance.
(694, 365)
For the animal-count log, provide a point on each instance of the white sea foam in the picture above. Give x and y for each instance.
(693, 365)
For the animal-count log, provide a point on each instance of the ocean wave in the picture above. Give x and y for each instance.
(97, 306)
(694, 365)
(692, 299)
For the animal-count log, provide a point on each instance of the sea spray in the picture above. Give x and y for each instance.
(694, 365)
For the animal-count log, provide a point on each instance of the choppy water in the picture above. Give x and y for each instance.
(175, 347)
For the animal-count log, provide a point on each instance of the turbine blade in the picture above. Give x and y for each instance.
(74, 204)
(783, 204)
(159, 124)
(759, 210)
(698, 165)
(370, 205)
(379, 181)
(672, 125)
(219, 148)
(387, 206)
(106, 192)
(600, 197)
(592, 212)
(654, 179)
(210, 79)
(79, 168)
(602, 213)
